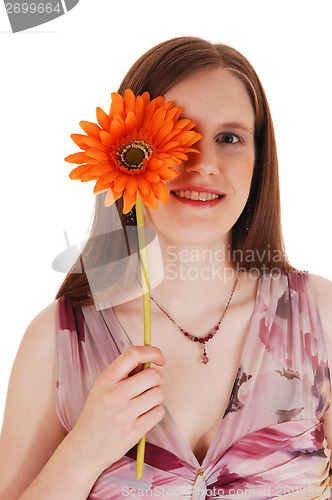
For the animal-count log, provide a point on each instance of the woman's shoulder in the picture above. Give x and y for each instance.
(38, 341)
(59, 314)
(32, 393)
(42, 325)
(47, 314)
(34, 361)
(322, 289)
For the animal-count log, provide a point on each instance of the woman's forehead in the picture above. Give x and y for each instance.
(213, 94)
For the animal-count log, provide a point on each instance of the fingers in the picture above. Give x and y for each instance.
(147, 420)
(142, 412)
(130, 359)
(143, 381)
(145, 402)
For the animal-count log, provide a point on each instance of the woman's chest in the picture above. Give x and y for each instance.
(196, 395)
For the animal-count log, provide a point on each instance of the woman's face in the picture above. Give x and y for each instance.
(220, 106)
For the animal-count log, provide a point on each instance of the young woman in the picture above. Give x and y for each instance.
(235, 402)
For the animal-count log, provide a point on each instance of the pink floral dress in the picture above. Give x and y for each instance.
(270, 442)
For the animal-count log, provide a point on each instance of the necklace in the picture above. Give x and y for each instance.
(212, 332)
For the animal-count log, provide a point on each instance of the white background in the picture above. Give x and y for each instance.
(55, 75)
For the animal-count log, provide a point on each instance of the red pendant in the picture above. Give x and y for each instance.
(204, 357)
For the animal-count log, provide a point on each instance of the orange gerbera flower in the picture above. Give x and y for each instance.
(133, 149)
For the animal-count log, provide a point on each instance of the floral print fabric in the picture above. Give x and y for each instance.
(270, 442)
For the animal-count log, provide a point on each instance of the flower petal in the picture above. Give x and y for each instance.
(129, 100)
(192, 150)
(117, 106)
(111, 197)
(149, 111)
(188, 126)
(152, 175)
(90, 128)
(174, 113)
(159, 101)
(168, 138)
(185, 122)
(109, 178)
(179, 155)
(77, 173)
(120, 182)
(79, 139)
(166, 174)
(77, 158)
(106, 139)
(128, 201)
(188, 137)
(103, 119)
(117, 129)
(164, 131)
(144, 184)
(101, 191)
(130, 122)
(131, 184)
(93, 142)
(168, 105)
(100, 186)
(149, 199)
(102, 168)
(146, 98)
(139, 110)
(97, 154)
(157, 121)
(87, 176)
(161, 192)
(155, 164)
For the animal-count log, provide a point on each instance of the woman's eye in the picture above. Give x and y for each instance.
(228, 138)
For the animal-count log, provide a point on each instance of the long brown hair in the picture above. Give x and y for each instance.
(260, 247)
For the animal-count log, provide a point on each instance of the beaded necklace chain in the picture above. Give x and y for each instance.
(211, 333)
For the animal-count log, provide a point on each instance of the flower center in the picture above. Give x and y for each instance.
(131, 155)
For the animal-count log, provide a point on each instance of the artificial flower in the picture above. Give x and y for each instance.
(133, 149)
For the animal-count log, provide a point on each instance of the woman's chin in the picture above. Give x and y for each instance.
(196, 238)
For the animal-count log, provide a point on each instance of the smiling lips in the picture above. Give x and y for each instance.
(191, 195)
(197, 195)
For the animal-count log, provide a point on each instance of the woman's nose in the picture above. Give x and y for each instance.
(205, 163)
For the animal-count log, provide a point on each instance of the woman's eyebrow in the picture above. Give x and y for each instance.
(233, 124)
(238, 125)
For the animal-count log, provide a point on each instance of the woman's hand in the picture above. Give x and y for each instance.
(123, 405)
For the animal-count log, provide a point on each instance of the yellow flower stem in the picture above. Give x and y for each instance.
(146, 311)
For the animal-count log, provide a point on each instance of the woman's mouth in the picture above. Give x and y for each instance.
(198, 198)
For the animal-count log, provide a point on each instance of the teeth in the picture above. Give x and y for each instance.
(195, 195)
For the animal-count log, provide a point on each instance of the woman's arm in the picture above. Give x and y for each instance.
(37, 460)
(323, 292)
(31, 431)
